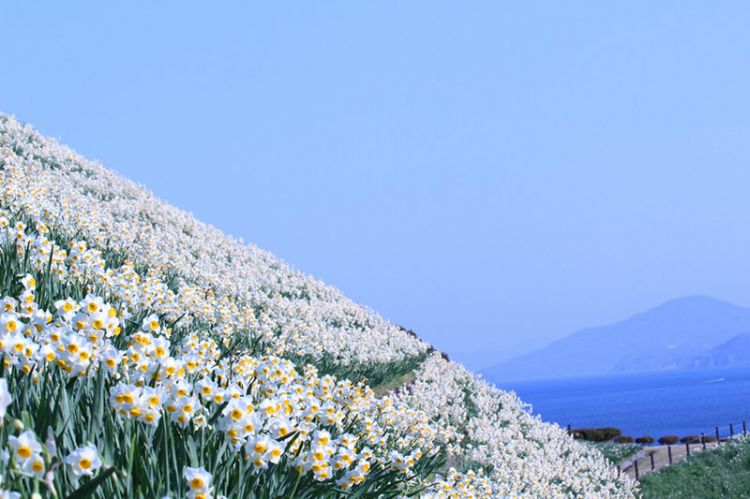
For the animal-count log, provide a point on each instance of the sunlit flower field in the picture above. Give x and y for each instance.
(146, 354)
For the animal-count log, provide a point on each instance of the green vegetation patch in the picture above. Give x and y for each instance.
(614, 452)
(719, 472)
(383, 377)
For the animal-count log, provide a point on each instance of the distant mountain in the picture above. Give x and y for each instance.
(733, 353)
(694, 331)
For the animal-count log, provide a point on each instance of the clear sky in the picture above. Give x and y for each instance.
(493, 176)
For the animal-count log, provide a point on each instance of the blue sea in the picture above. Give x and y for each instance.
(655, 404)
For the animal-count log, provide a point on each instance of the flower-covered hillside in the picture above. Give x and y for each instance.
(85, 199)
(148, 354)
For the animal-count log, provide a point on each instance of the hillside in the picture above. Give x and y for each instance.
(666, 337)
(149, 354)
(733, 353)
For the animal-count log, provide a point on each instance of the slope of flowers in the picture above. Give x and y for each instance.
(247, 412)
(493, 430)
(82, 198)
(116, 389)
(142, 345)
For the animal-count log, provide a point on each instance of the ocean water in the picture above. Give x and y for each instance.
(655, 404)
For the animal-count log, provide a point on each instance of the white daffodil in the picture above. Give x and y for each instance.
(84, 460)
(66, 308)
(25, 445)
(34, 466)
(151, 324)
(199, 481)
(28, 282)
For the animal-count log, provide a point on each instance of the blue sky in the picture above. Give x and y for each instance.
(493, 176)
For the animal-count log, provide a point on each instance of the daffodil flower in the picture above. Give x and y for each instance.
(84, 461)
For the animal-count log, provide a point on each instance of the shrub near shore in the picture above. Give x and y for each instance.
(596, 434)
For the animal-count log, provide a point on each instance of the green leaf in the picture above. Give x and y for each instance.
(88, 488)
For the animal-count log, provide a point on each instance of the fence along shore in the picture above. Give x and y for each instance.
(657, 456)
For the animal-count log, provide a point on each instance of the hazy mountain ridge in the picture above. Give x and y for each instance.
(689, 332)
(733, 353)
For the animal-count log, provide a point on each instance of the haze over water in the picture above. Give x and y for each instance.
(656, 404)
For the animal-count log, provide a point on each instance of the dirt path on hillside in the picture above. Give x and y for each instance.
(661, 458)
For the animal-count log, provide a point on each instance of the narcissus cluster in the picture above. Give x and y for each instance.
(147, 354)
